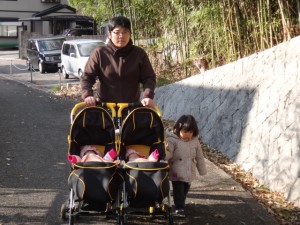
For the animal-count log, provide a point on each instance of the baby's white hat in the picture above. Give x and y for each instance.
(132, 151)
(87, 148)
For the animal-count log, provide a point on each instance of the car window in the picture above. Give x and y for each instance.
(72, 50)
(65, 49)
(78, 32)
(33, 46)
(50, 45)
(85, 49)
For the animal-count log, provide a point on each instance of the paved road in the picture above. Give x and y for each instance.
(33, 131)
(34, 125)
(16, 69)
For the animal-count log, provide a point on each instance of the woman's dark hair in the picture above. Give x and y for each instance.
(186, 123)
(117, 21)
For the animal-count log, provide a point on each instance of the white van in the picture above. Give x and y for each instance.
(74, 55)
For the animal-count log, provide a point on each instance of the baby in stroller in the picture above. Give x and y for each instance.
(94, 179)
(140, 181)
(133, 155)
(146, 183)
(89, 153)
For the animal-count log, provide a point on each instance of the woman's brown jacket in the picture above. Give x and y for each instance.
(120, 73)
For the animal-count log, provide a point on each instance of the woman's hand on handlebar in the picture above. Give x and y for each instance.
(90, 101)
(147, 102)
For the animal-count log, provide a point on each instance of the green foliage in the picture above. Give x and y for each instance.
(55, 88)
(219, 30)
(161, 81)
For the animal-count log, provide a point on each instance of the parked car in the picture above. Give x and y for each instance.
(44, 54)
(78, 32)
(75, 54)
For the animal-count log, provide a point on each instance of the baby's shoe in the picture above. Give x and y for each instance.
(154, 155)
(110, 155)
(74, 159)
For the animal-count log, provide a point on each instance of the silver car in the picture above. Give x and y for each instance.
(74, 55)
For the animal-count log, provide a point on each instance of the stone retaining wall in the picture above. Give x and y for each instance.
(250, 111)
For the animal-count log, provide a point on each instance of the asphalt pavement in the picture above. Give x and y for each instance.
(11, 67)
(33, 136)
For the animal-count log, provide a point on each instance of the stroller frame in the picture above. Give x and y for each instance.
(122, 207)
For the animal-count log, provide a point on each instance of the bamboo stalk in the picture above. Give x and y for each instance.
(286, 33)
(112, 5)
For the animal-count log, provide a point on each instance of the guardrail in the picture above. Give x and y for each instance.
(26, 68)
(12, 65)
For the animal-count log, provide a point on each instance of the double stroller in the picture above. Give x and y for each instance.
(119, 189)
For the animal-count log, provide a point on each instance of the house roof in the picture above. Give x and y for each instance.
(45, 15)
(54, 9)
(69, 17)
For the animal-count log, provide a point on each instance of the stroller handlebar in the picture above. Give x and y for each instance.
(122, 106)
(109, 105)
(112, 107)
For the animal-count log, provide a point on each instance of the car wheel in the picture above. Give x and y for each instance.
(64, 72)
(41, 67)
(80, 73)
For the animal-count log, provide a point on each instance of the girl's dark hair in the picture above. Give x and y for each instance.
(117, 21)
(186, 123)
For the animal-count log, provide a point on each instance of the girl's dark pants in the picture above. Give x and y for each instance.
(180, 190)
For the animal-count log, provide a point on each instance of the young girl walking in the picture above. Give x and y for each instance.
(184, 154)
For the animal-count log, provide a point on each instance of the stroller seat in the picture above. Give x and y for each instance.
(94, 184)
(143, 131)
(146, 182)
(92, 126)
(118, 188)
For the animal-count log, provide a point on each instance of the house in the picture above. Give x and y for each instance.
(45, 17)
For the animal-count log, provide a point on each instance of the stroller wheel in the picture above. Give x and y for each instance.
(170, 216)
(71, 219)
(63, 212)
(120, 220)
(121, 216)
(71, 208)
(71, 216)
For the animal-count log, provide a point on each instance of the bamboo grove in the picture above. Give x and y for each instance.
(179, 31)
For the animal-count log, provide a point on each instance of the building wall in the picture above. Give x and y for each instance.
(23, 9)
(250, 111)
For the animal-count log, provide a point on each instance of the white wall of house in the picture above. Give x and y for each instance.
(38, 26)
(24, 9)
(46, 27)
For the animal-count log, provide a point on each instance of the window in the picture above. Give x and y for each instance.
(85, 49)
(50, 45)
(8, 31)
(66, 49)
(72, 50)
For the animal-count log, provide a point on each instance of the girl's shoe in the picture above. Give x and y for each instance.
(180, 212)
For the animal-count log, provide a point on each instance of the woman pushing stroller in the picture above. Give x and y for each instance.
(120, 67)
